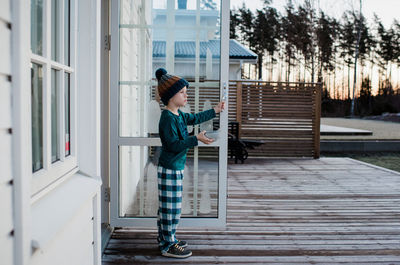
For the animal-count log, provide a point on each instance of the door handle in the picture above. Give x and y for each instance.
(224, 93)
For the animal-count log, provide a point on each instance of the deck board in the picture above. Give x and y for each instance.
(289, 211)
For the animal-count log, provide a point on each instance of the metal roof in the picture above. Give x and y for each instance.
(187, 49)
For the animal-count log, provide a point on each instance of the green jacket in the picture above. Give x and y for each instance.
(174, 136)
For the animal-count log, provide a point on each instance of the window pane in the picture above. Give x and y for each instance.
(66, 32)
(55, 152)
(55, 33)
(67, 114)
(37, 116)
(138, 182)
(37, 26)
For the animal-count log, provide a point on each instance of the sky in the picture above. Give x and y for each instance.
(387, 10)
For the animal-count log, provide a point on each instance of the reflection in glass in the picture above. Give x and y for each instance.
(153, 117)
(200, 185)
(209, 5)
(67, 98)
(130, 124)
(139, 188)
(208, 125)
(55, 153)
(37, 116)
(67, 32)
(37, 26)
(130, 54)
(188, 109)
(55, 33)
(186, 43)
(159, 4)
(190, 49)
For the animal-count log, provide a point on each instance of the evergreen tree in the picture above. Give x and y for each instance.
(234, 24)
(347, 43)
(327, 34)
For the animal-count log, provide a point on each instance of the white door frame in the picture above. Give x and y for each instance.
(115, 140)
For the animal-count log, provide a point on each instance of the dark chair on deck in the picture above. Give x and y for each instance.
(238, 147)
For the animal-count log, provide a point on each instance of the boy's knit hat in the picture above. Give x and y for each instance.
(169, 85)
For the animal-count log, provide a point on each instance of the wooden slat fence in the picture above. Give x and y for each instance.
(285, 116)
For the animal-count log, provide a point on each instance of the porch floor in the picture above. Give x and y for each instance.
(289, 211)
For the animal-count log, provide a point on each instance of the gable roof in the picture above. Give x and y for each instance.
(187, 49)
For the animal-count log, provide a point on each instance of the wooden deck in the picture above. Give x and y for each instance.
(326, 211)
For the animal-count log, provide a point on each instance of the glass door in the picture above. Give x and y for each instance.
(188, 38)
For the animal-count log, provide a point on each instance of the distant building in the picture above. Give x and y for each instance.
(183, 44)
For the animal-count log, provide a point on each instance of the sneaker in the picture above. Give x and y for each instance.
(180, 243)
(175, 251)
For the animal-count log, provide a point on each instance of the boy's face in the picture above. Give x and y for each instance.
(180, 98)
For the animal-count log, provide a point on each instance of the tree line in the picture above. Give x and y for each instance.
(307, 45)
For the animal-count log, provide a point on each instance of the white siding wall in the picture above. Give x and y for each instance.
(65, 223)
(79, 234)
(6, 177)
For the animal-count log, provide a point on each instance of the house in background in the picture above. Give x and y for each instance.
(184, 38)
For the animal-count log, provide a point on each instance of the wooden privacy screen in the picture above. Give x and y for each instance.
(285, 116)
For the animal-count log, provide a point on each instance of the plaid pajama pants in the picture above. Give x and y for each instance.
(170, 204)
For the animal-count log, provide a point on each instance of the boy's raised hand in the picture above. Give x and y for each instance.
(220, 107)
(204, 139)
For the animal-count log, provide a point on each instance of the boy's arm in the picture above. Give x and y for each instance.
(193, 119)
(170, 139)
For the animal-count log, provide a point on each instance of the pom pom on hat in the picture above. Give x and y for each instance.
(169, 85)
(160, 72)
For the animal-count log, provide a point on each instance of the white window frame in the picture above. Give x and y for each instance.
(116, 140)
(52, 173)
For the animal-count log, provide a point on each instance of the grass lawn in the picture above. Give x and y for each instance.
(386, 160)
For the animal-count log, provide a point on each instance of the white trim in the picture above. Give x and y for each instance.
(224, 84)
(105, 111)
(196, 109)
(114, 109)
(43, 177)
(170, 41)
(87, 99)
(46, 92)
(61, 114)
(50, 186)
(21, 139)
(38, 59)
(97, 225)
(61, 29)
(88, 81)
(73, 79)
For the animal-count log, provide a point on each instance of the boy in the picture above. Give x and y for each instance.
(175, 142)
